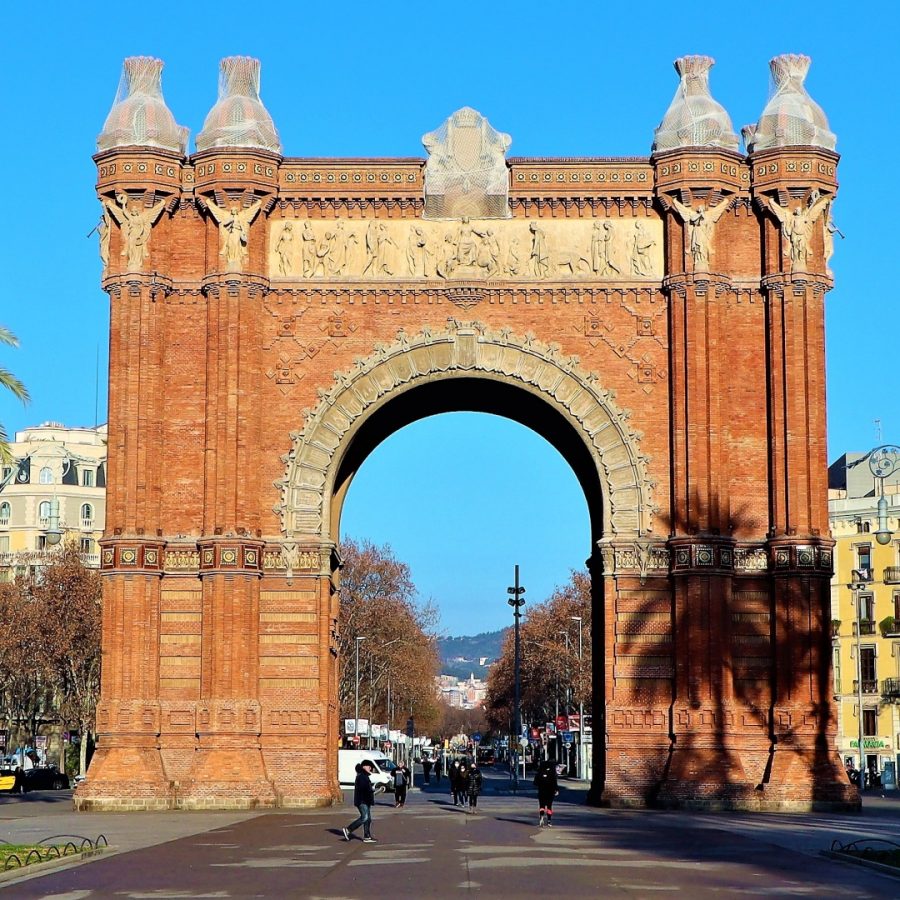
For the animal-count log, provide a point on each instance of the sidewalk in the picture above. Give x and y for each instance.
(432, 849)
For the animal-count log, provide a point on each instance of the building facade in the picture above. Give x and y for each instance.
(659, 319)
(865, 604)
(54, 489)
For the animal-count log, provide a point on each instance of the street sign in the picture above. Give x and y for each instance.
(574, 722)
(476, 738)
(567, 737)
(562, 723)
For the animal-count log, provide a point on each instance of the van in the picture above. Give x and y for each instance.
(382, 767)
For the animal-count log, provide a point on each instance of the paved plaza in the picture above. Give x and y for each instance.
(432, 849)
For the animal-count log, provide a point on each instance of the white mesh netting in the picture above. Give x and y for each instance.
(466, 172)
(694, 118)
(139, 115)
(791, 117)
(239, 118)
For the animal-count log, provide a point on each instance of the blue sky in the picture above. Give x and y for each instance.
(368, 79)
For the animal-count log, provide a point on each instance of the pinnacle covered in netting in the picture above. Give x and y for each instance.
(466, 172)
(791, 117)
(694, 118)
(239, 118)
(139, 115)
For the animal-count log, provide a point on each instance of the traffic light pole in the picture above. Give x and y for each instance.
(516, 602)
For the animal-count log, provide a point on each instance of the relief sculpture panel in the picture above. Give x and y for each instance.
(536, 249)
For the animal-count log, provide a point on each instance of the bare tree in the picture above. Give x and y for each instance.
(398, 657)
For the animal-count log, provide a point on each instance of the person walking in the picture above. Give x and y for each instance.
(453, 776)
(547, 787)
(363, 800)
(426, 769)
(401, 784)
(474, 784)
(462, 784)
(439, 767)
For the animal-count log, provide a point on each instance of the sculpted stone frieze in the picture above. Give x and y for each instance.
(614, 249)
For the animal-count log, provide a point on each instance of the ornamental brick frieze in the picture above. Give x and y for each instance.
(353, 177)
(629, 717)
(751, 560)
(292, 720)
(702, 169)
(130, 716)
(233, 284)
(580, 177)
(139, 169)
(465, 347)
(773, 170)
(793, 557)
(228, 716)
(238, 169)
(642, 558)
(292, 558)
(183, 559)
(694, 555)
(128, 555)
(134, 285)
(230, 555)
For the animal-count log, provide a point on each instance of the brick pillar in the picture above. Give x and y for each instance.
(804, 770)
(227, 769)
(126, 771)
(298, 675)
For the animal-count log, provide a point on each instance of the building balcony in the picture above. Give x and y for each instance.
(869, 686)
(891, 575)
(865, 627)
(87, 524)
(42, 558)
(890, 689)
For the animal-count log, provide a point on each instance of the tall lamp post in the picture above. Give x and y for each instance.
(516, 601)
(580, 699)
(884, 461)
(359, 640)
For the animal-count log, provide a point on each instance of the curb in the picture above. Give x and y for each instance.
(25, 873)
(890, 871)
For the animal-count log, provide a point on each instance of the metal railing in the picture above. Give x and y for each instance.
(890, 687)
(891, 575)
(869, 686)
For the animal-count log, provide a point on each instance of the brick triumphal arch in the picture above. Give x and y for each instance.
(658, 319)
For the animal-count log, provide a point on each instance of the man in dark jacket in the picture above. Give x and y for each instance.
(363, 800)
(547, 787)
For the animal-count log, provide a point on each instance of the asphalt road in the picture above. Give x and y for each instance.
(431, 849)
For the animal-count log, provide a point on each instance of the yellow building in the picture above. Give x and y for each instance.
(866, 588)
(53, 492)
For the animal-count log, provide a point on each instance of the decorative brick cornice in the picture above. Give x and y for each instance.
(702, 554)
(232, 284)
(131, 555)
(224, 555)
(135, 283)
(801, 556)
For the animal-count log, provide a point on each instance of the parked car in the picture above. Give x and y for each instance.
(45, 778)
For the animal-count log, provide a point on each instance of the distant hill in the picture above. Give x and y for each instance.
(461, 656)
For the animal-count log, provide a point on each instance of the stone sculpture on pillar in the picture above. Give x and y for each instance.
(797, 227)
(701, 222)
(234, 231)
(136, 225)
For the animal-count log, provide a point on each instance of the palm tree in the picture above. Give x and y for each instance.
(11, 383)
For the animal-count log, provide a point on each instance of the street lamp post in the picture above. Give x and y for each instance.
(580, 698)
(359, 640)
(883, 462)
(516, 601)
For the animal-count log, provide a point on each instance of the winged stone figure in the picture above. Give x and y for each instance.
(797, 227)
(136, 225)
(234, 230)
(701, 222)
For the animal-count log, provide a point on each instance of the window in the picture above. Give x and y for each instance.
(866, 613)
(41, 542)
(837, 670)
(46, 476)
(864, 557)
(4, 513)
(870, 722)
(4, 543)
(87, 515)
(87, 478)
(896, 604)
(867, 670)
(44, 512)
(87, 545)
